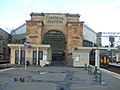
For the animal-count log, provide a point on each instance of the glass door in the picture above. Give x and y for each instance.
(40, 56)
(16, 56)
(22, 62)
(34, 57)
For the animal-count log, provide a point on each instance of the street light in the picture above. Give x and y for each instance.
(27, 45)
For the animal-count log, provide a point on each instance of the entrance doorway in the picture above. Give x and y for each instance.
(57, 42)
(22, 62)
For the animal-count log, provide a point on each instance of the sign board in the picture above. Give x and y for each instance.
(77, 58)
(44, 56)
(54, 19)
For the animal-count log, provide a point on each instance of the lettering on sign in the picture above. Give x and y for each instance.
(54, 19)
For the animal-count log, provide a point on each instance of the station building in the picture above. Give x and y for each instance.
(53, 36)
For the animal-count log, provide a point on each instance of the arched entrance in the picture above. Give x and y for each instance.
(57, 41)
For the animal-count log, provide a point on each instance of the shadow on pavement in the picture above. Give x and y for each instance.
(58, 64)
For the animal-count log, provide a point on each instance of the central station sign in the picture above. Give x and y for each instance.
(55, 19)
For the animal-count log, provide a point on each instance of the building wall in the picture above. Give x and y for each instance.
(68, 24)
(83, 58)
(42, 16)
(35, 29)
(89, 34)
(75, 34)
(70, 55)
(34, 32)
(78, 56)
(40, 24)
(4, 40)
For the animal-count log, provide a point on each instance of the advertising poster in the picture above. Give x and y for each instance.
(44, 56)
(77, 58)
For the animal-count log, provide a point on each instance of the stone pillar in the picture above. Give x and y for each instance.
(33, 32)
(75, 34)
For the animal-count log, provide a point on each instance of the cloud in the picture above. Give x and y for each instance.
(11, 23)
(24, 1)
(103, 17)
(98, 16)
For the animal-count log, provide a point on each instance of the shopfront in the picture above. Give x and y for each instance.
(35, 55)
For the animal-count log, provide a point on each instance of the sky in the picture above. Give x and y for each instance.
(100, 15)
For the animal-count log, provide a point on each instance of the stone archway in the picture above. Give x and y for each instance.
(57, 41)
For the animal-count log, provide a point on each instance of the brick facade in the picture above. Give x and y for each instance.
(68, 24)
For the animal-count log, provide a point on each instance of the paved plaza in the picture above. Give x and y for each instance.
(54, 77)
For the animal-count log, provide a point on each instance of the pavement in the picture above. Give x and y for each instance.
(55, 77)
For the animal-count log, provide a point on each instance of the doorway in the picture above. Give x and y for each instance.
(57, 42)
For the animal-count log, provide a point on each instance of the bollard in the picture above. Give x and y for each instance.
(95, 70)
(98, 76)
(89, 69)
(85, 66)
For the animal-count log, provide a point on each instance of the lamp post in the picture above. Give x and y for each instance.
(27, 45)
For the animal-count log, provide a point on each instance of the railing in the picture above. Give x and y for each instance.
(88, 68)
(97, 73)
